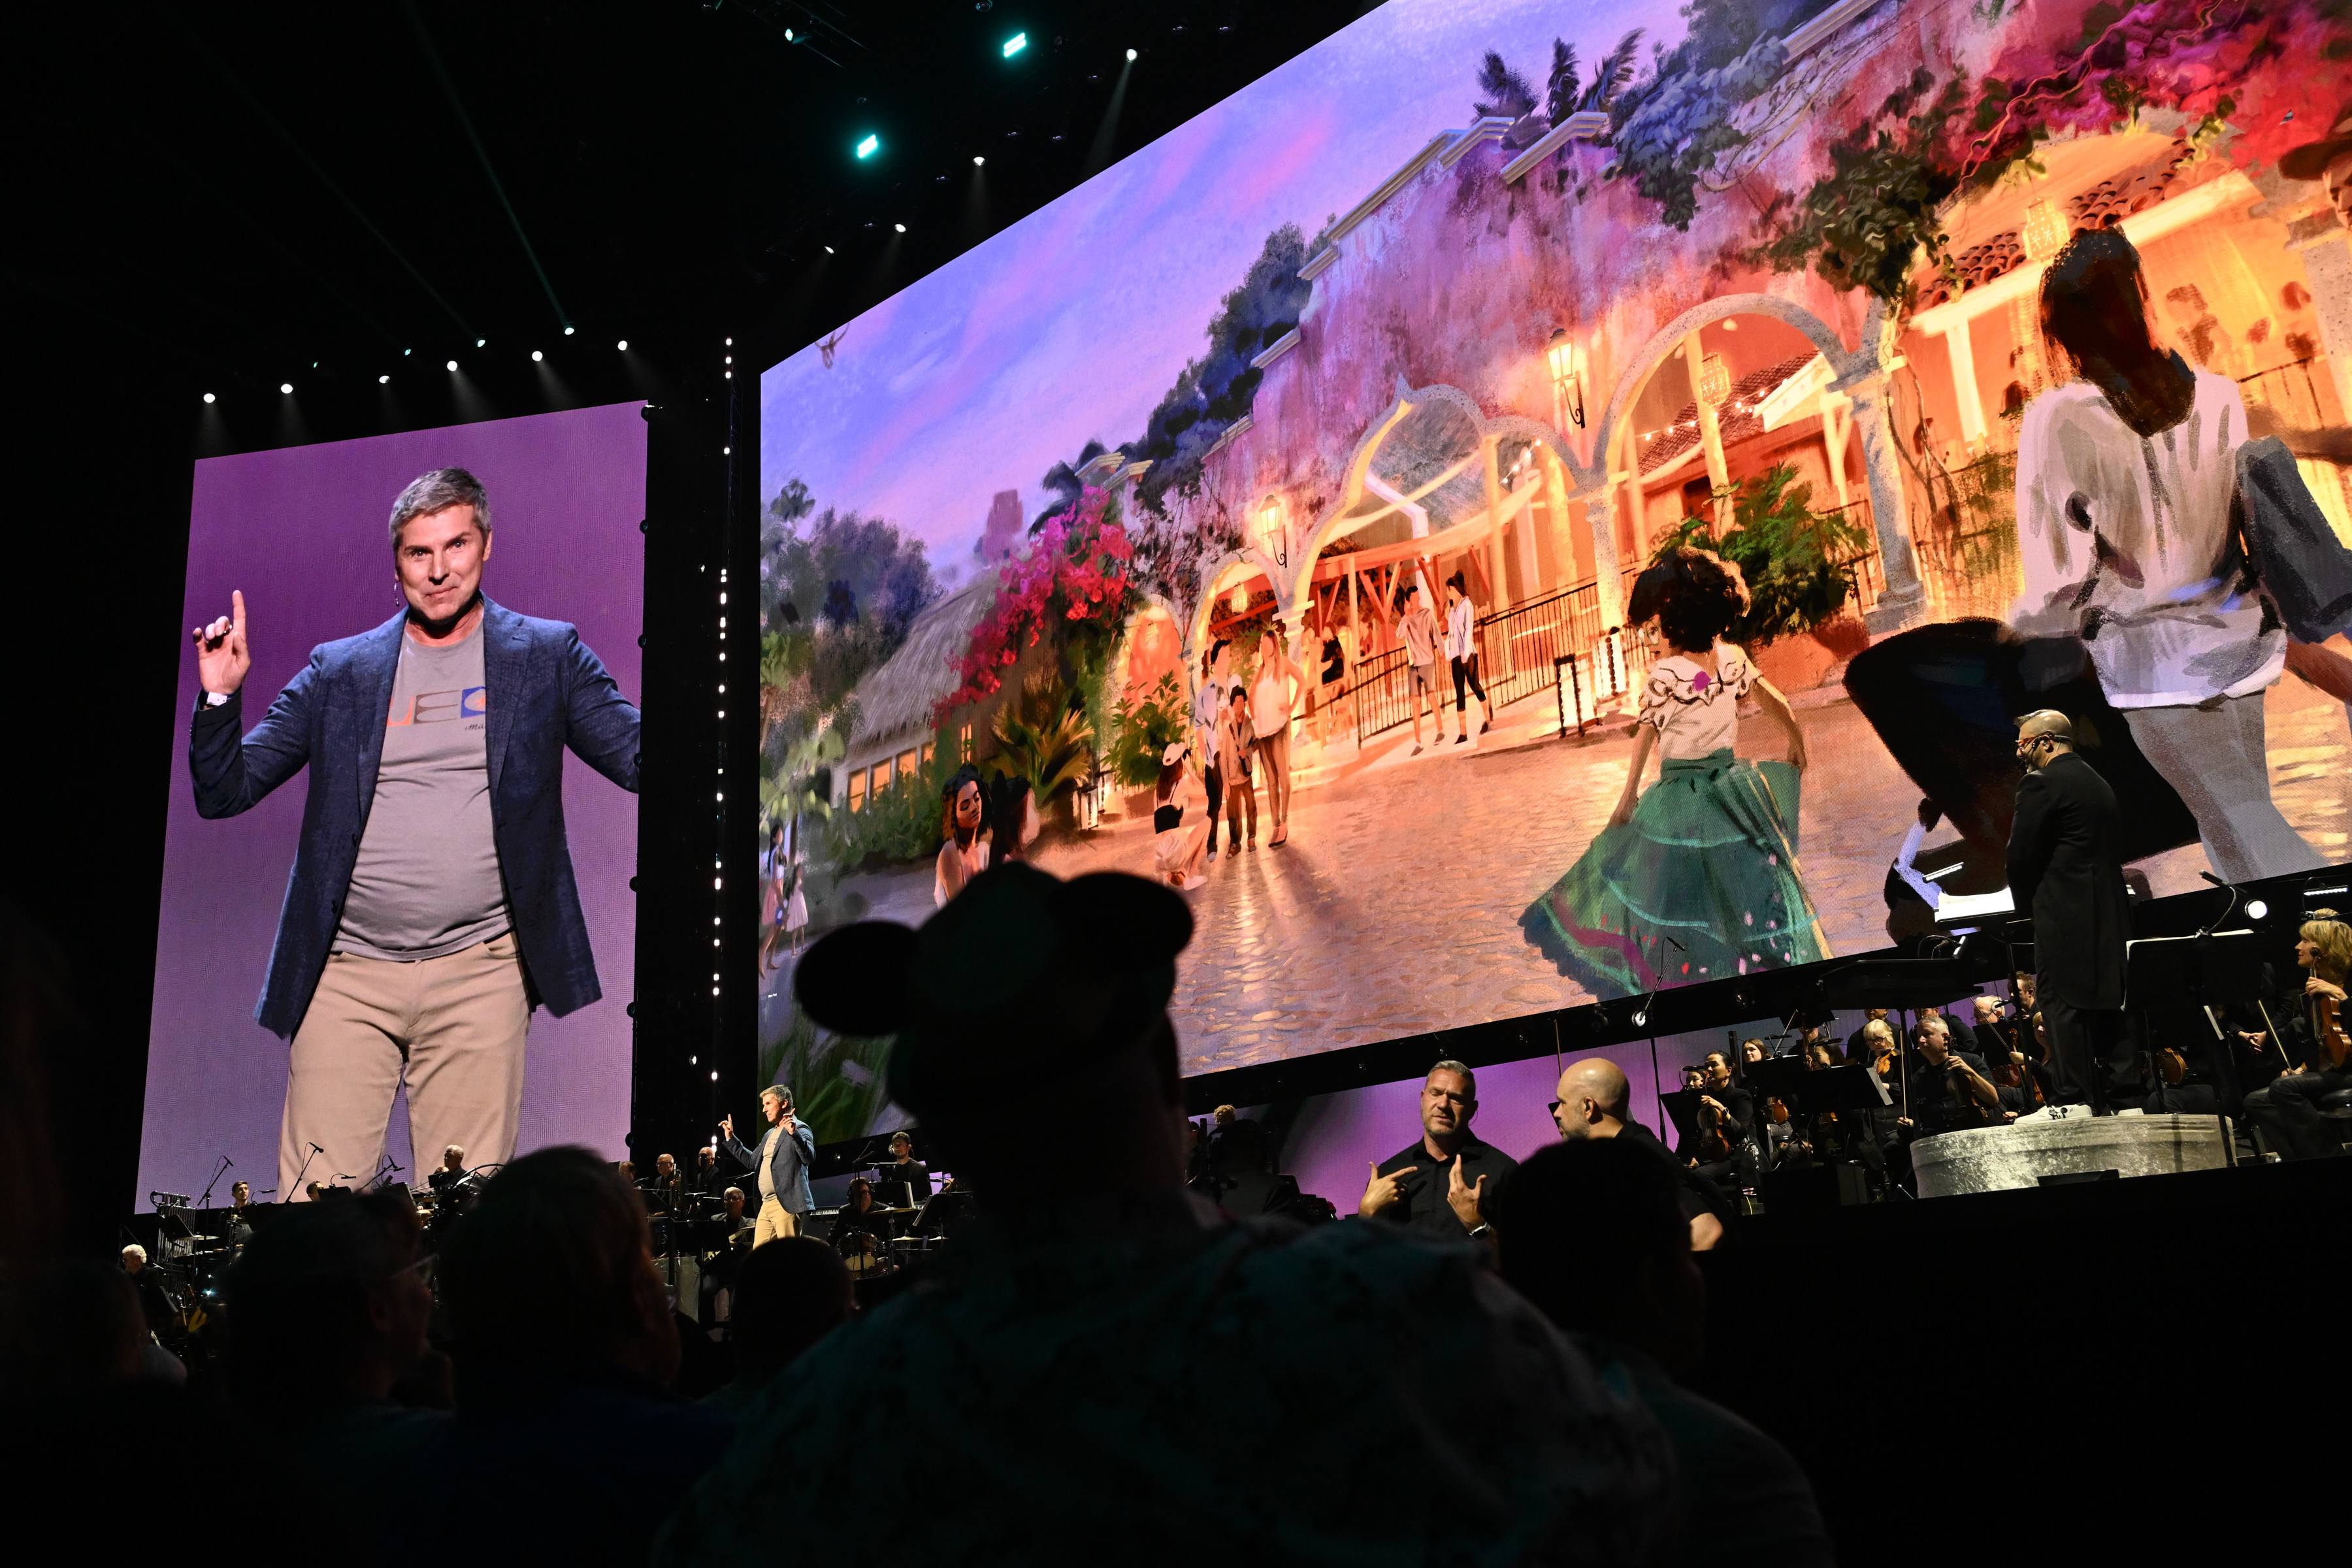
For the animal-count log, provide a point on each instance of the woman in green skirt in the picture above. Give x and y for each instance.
(1696, 878)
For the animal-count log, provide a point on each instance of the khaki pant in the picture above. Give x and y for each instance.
(453, 1028)
(775, 1222)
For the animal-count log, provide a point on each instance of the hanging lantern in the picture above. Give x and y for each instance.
(2045, 230)
(1240, 600)
(1714, 380)
(1273, 537)
(1566, 380)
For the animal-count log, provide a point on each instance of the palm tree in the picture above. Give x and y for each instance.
(1507, 94)
(1560, 88)
(1612, 75)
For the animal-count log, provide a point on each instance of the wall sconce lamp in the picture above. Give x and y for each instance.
(1567, 362)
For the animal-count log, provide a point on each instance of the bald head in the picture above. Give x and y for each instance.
(1591, 1099)
(2042, 734)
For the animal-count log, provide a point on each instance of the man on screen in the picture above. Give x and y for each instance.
(431, 905)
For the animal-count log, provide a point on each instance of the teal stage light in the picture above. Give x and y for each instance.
(1015, 44)
(869, 146)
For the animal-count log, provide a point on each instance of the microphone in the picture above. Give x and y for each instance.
(316, 1150)
(229, 1163)
(2227, 910)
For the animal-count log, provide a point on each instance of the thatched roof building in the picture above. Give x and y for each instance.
(896, 702)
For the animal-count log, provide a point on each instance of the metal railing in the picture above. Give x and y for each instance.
(1518, 649)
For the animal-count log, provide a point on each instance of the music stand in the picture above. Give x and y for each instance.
(1682, 1110)
(2192, 973)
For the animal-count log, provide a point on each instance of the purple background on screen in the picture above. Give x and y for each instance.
(302, 531)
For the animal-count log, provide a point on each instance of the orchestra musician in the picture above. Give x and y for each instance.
(1949, 1089)
(905, 1167)
(452, 1170)
(2288, 1110)
(862, 1228)
(667, 1194)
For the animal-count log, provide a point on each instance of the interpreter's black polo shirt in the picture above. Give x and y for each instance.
(1423, 1208)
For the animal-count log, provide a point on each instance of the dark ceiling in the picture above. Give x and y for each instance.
(245, 196)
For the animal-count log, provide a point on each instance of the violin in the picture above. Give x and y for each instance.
(2334, 1045)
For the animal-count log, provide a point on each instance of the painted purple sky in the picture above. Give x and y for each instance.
(1071, 324)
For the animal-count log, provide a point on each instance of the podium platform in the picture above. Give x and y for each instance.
(2002, 1159)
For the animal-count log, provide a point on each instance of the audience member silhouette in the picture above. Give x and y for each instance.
(1591, 1231)
(788, 1295)
(568, 1445)
(1159, 1372)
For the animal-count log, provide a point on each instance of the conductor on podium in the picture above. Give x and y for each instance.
(2066, 869)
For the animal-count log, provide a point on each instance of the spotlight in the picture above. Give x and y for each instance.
(623, 346)
(828, 250)
(1015, 44)
(406, 352)
(536, 356)
(567, 331)
(789, 36)
(977, 161)
(287, 387)
(451, 366)
(2255, 909)
(870, 145)
(482, 343)
(1131, 56)
(208, 397)
(900, 226)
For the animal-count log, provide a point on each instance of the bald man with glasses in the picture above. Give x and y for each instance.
(2066, 869)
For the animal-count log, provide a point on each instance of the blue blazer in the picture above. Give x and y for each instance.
(790, 1164)
(546, 691)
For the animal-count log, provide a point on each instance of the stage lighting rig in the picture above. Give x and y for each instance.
(868, 145)
(1015, 44)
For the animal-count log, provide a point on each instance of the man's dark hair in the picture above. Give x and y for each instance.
(298, 1298)
(545, 1270)
(1573, 1221)
(790, 1294)
(1241, 1145)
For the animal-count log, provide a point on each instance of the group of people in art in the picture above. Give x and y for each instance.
(2128, 480)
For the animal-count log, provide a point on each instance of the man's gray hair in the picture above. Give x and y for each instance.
(135, 1250)
(1469, 1078)
(735, 1193)
(441, 488)
(782, 1091)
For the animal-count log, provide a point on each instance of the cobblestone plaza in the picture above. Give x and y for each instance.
(1395, 909)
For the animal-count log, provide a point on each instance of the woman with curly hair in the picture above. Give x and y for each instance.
(1697, 877)
(965, 840)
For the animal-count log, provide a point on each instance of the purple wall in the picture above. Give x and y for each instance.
(302, 531)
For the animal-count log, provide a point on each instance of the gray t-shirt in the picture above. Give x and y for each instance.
(427, 882)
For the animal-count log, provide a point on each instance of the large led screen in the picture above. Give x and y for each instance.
(350, 956)
(1914, 352)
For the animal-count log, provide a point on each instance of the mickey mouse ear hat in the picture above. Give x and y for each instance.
(1021, 968)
